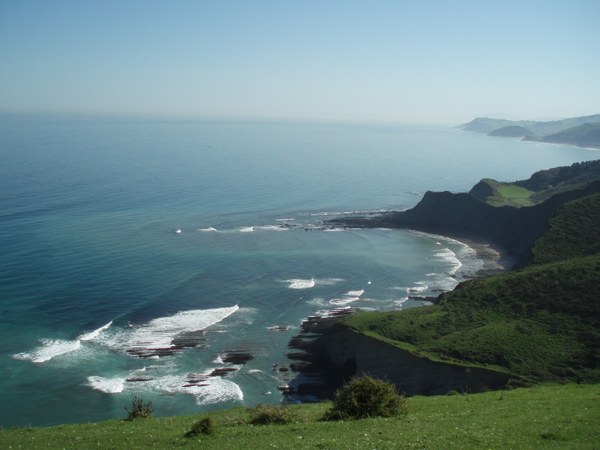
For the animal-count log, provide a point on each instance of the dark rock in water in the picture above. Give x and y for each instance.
(222, 371)
(190, 339)
(152, 352)
(196, 378)
(302, 356)
(303, 367)
(237, 356)
(284, 369)
(194, 339)
(137, 379)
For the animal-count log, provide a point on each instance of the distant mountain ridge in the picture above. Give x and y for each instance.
(581, 131)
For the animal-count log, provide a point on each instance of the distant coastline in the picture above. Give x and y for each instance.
(582, 132)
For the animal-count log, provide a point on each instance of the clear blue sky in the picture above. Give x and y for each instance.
(402, 61)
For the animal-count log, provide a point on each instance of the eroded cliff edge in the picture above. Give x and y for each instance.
(333, 353)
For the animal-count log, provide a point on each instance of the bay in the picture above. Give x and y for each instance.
(121, 234)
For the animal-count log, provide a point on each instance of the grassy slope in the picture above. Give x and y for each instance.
(539, 187)
(507, 194)
(540, 323)
(553, 417)
(574, 231)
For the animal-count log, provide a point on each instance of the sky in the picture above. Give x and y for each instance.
(377, 60)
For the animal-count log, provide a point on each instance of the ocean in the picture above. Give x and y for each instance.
(137, 254)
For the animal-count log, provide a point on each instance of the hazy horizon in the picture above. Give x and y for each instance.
(386, 61)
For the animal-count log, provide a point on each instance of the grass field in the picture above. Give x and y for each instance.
(550, 417)
(507, 194)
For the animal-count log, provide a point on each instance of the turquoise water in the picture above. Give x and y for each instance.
(124, 235)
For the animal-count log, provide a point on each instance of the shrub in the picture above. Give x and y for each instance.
(139, 409)
(366, 397)
(203, 426)
(269, 414)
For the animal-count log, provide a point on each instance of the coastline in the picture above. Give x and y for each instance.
(494, 259)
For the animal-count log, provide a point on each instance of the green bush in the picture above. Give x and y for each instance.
(202, 426)
(366, 397)
(269, 414)
(139, 409)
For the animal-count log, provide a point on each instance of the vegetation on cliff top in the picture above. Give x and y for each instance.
(574, 231)
(554, 417)
(541, 186)
(539, 323)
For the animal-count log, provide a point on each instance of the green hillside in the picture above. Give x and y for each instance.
(539, 187)
(497, 193)
(586, 135)
(552, 417)
(574, 231)
(540, 323)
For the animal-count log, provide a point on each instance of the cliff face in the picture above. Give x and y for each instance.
(355, 353)
(513, 229)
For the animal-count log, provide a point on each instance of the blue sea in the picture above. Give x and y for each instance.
(137, 253)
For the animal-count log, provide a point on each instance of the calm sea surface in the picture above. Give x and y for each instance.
(121, 237)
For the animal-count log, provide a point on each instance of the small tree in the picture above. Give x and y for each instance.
(203, 426)
(139, 409)
(270, 414)
(366, 397)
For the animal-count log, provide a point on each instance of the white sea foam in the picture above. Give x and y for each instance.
(94, 334)
(317, 301)
(217, 390)
(210, 391)
(178, 231)
(285, 220)
(343, 300)
(329, 281)
(348, 297)
(106, 385)
(272, 228)
(355, 293)
(299, 283)
(49, 349)
(400, 302)
(208, 230)
(449, 256)
(160, 333)
(420, 286)
(246, 230)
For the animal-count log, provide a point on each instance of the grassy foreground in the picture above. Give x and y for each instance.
(543, 417)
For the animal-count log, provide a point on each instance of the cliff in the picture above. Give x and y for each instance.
(514, 230)
(331, 352)
(346, 349)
